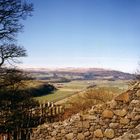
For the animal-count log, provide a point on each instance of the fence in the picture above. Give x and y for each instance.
(49, 111)
(46, 112)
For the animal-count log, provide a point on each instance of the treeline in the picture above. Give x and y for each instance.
(15, 104)
(41, 90)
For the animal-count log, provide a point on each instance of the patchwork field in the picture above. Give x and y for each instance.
(73, 88)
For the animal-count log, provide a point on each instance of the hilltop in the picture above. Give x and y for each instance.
(79, 74)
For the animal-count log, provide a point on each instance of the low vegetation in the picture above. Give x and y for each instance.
(85, 100)
(44, 89)
(66, 90)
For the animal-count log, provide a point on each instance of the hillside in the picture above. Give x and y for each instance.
(67, 74)
(118, 119)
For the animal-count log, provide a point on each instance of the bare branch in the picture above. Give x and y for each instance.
(11, 13)
(8, 52)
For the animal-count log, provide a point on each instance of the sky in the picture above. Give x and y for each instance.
(83, 33)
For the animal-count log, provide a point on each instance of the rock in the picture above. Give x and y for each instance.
(79, 130)
(48, 137)
(135, 102)
(109, 133)
(79, 124)
(88, 117)
(130, 115)
(86, 124)
(113, 125)
(136, 109)
(91, 128)
(136, 118)
(124, 121)
(86, 133)
(134, 134)
(124, 97)
(53, 138)
(69, 136)
(120, 113)
(107, 114)
(91, 112)
(112, 120)
(80, 136)
(74, 131)
(53, 133)
(63, 131)
(102, 122)
(113, 104)
(138, 93)
(98, 133)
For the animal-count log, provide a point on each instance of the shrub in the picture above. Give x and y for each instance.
(84, 101)
(42, 90)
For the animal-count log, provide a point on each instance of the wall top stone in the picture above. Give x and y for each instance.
(123, 97)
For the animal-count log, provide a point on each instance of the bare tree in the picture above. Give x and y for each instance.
(11, 13)
(9, 53)
(15, 103)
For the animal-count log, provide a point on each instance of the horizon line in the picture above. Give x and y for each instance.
(71, 67)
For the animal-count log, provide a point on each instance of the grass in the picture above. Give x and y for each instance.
(85, 100)
(66, 90)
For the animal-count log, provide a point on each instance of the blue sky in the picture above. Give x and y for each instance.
(83, 33)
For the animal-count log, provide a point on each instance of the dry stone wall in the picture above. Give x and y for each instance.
(117, 120)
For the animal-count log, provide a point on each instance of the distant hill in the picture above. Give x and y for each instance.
(67, 74)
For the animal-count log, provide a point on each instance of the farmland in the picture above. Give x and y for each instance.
(72, 88)
(70, 82)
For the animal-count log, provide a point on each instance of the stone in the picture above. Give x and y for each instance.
(53, 133)
(86, 124)
(113, 104)
(69, 136)
(134, 134)
(138, 93)
(53, 138)
(130, 115)
(124, 97)
(89, 117)
(98, 133)
(101, 122)
(124, 121)
(107, 114)
(135, 102)
(136, 118)
(86, 133)
(136, 109)
(120, 113)
(91, 112)
(63, 131)
(79, 124)
(80, 136)
(79, 130)
(109, 133)
(113, 125)
(74, 131)
(104, 138)
(48, 137)
(91, 128)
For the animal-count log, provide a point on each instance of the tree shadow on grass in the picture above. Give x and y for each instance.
(42, 90)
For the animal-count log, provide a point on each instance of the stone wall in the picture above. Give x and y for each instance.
(117, 120)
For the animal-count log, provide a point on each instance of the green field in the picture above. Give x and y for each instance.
(71, 88)
(64, 90)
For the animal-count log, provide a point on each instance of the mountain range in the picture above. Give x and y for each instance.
(78, 74)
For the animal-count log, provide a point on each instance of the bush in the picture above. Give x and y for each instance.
(86, 100)
(42, 90)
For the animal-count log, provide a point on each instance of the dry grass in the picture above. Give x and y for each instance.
(87, 99)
